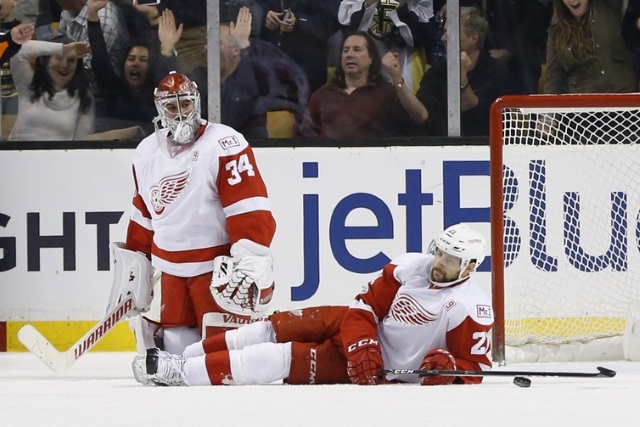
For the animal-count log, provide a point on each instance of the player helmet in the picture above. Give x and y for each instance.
(463, 242)
(177, 100)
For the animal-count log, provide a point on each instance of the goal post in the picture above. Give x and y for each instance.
(565, 232)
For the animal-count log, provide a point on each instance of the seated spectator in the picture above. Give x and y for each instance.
(54, 98)
(404, 27)
(255, 76)
(586, 52)
(359, 103)
(73, 23)
(631, 32)
(127, 100)
(482, 80)
(302, 31)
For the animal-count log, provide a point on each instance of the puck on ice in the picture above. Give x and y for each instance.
(522, 382)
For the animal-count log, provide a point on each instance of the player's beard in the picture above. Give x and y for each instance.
(437, 275)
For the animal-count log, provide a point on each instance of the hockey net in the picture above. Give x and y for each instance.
(565, 246)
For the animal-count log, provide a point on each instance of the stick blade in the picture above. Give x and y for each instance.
(605, 372)
(37, 344)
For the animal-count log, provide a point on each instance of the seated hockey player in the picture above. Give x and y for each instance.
(423, 311)
(202, 216)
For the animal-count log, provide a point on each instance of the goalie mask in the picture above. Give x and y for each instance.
(177, 100)
(462, 242)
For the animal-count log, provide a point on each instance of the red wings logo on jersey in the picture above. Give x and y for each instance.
(168, 190)
(407, 310)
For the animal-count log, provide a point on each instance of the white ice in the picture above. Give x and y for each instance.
(99, 390)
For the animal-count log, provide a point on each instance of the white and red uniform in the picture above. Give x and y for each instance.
(402, 310)
(191, 207)
(410, 316)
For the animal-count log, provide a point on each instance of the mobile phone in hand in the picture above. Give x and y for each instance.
(148, 2)
(287, 14)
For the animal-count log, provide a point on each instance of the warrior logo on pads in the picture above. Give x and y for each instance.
(407, 310)
(229, 141)
(168, 190)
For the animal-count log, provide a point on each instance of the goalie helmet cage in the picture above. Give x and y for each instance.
(565, 198)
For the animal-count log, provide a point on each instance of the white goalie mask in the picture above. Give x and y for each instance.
(460, 241)
(177, 100)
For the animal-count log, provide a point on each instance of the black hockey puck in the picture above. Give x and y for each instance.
(522, 382)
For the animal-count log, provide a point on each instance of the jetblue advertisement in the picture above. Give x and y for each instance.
(341, 213)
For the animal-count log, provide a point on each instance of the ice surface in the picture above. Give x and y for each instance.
(99, 390)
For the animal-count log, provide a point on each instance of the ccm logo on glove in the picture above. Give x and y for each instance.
(362, 343)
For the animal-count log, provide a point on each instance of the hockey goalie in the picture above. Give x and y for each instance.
(201, 216)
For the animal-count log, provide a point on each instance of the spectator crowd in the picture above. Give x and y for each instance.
(335, 69)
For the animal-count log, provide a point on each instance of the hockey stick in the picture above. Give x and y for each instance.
(602, 373)
(59, 361)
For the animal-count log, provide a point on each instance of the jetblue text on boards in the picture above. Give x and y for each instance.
(412, 198)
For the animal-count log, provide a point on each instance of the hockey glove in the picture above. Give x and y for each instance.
(440, 359)
(243, 283)
(364, 362)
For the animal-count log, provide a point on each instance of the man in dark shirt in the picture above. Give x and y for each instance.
(482, 80)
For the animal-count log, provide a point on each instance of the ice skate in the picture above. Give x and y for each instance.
(164, 368)
(138, 366)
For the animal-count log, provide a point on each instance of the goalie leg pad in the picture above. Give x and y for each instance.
(147, 333)
(132, 274)
(177, 339)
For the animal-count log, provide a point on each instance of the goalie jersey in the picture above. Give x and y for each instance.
(189, 206)
(411, 316)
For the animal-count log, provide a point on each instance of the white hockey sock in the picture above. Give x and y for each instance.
(177, 339)
(195, 371)
(262, 363)
(253, 333)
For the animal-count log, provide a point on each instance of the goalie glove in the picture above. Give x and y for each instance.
(243, 283)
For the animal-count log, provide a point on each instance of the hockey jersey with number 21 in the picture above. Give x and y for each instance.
(410, 316)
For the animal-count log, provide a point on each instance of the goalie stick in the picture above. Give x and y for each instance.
(602, 373)
(59, 361)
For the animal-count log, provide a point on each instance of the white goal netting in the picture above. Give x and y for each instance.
(571, 234)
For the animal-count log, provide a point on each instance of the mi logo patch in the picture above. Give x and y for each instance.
(229, 142)
(484, 311)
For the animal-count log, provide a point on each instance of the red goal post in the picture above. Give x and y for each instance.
(565, 203)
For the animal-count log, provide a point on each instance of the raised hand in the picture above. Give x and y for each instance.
(168, 33)
(391, 65)
(76, 49)
(96, 4)
(22, 33)
(150, 11)
(241, 30)
(93, 6)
